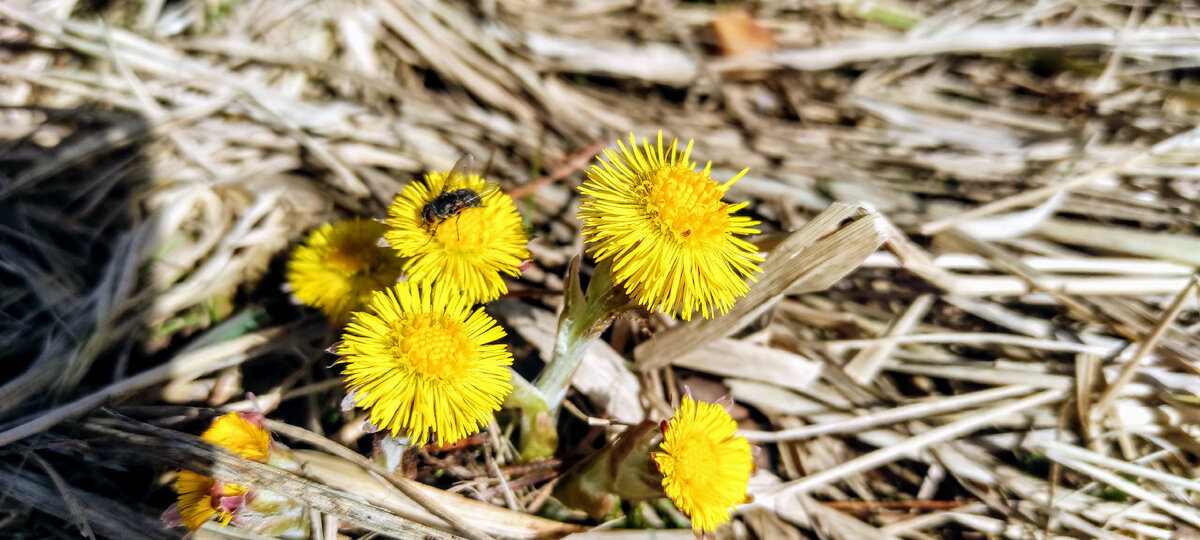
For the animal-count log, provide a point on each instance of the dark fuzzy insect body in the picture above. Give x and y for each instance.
(449, 204)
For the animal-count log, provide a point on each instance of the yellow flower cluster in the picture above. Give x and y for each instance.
(417, 354)
(425, 362)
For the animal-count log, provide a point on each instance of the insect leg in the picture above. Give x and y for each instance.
(432, 234)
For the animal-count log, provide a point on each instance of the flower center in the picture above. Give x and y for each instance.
(435, 346)
(685, 204)
(470, 231)
(694, 461)
(354, 256)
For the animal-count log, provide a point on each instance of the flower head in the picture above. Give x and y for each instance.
(673, 242)
(704, 462)
(201, 498)
(241, 432)
(467, 251)
(420, 359)
(340, 265)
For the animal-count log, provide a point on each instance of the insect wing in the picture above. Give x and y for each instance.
(491, 188)
(457, 177)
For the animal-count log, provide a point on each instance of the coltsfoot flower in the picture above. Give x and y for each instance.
(420, 360)
(340, 265)
(468, 251)
(202, 498)
(673, 242)
(705, 464)
(241, 432)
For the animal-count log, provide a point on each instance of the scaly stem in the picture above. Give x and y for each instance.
(539, 438)
(583, 319)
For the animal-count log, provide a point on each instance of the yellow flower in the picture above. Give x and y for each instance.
(673, 243)
(241, 432)
(340, 265)
(468, 251)
(705, 464)
(420, 359)
(201, 497)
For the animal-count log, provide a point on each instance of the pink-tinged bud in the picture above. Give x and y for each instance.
(228, 503)
(172, 517)
(349, 399)
(254, 417)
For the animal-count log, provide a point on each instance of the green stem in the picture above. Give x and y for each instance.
(539, 436)
(583, 319)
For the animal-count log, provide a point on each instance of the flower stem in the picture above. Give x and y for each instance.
(539, 436)
(583, 319)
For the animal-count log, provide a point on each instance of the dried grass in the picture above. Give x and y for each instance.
(1015, 356)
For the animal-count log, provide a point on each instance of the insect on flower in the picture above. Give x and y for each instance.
(455, 197)
(458, 228)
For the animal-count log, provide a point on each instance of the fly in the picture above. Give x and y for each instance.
(451, 202)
